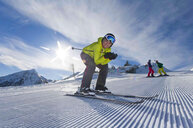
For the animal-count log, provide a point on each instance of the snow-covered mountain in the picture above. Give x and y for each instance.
(145, 69)
(27, 77)
(136, 69)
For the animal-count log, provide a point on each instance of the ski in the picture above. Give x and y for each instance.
(163, 76)
(106, 99)
(127, 96)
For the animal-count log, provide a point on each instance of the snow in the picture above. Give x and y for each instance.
(46, 106)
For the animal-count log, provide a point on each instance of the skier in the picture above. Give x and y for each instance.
(151, 71)
(160, 66)
(97, 54)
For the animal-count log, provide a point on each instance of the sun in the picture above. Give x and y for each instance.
(61, 53)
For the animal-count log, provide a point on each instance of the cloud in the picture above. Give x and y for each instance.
(14, 52)
(144, 30)
(45, 48)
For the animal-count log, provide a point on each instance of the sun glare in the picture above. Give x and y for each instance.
(61, 53)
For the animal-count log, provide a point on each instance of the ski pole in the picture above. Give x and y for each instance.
(73, 48)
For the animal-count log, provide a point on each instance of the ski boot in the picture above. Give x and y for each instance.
(85, 91)
(102, 89)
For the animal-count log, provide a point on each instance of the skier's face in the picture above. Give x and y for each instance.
(106, 43)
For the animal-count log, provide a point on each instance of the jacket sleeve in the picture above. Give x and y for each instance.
(99, 57)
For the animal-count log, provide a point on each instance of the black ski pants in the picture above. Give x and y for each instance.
(89, 71)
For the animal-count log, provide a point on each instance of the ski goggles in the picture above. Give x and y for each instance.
(111, 38)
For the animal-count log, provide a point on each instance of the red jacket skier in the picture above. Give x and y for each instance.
(151, 71)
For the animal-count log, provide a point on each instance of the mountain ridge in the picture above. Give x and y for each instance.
(26, 77)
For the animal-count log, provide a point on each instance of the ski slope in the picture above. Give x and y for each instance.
(46, 106)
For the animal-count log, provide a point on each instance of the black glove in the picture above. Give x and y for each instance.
(110, 55)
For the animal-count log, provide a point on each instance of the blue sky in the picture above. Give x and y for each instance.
(38, 33)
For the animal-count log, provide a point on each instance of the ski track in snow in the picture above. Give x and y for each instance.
(46, 106)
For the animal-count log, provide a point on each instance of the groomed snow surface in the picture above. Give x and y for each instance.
(46, 106)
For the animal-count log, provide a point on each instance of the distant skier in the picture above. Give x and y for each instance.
(160, 66)
(151, 71)
(97, 54)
